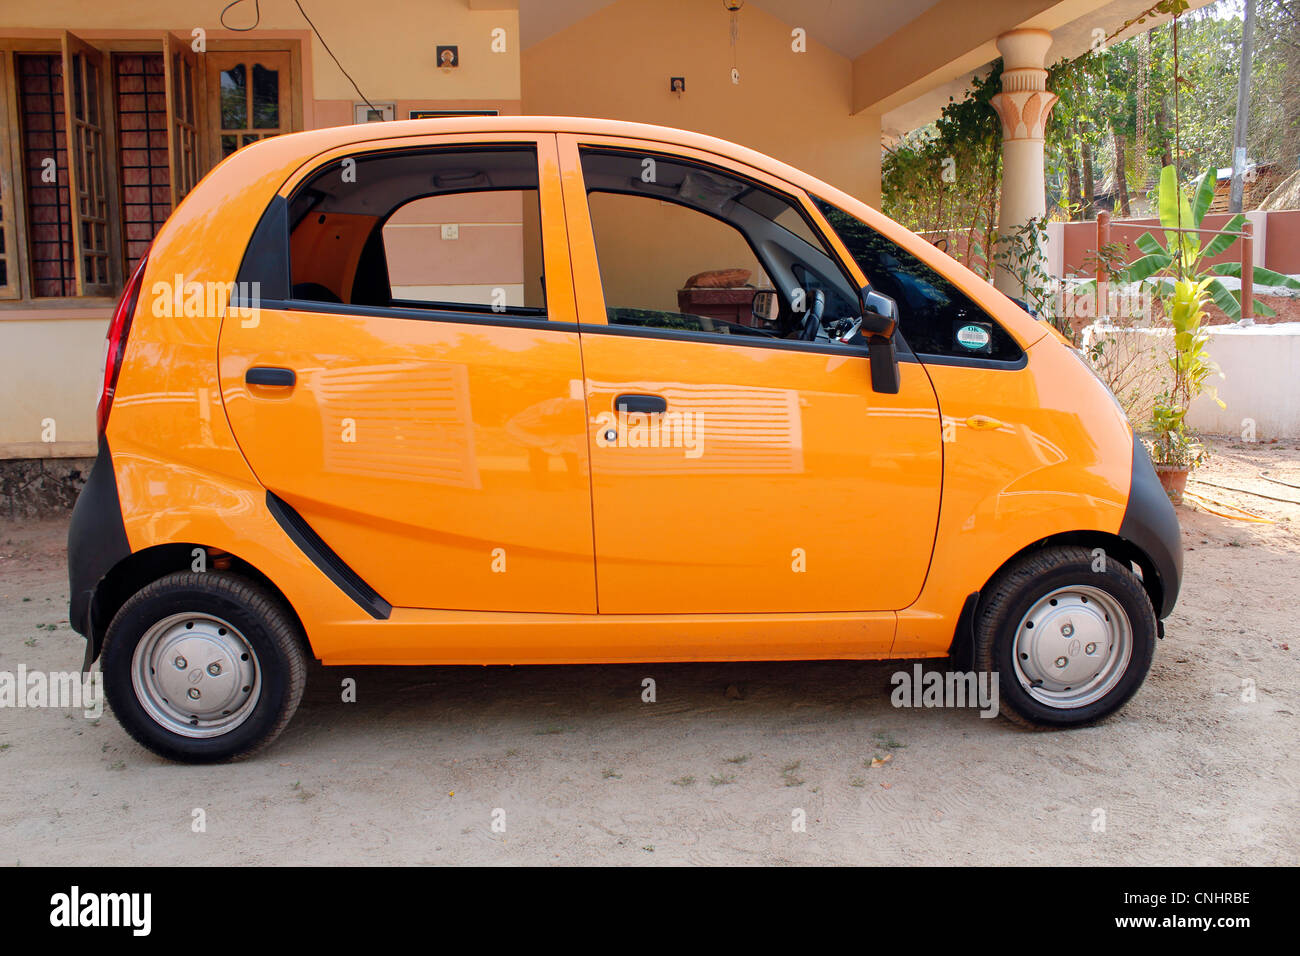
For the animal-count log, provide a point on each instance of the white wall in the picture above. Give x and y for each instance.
(1260, 388)
(1261, 367)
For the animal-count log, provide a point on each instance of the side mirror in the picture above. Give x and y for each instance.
(879, 323)
(766, 306)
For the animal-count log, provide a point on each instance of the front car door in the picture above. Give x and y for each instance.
(416, 396)
(734, 468)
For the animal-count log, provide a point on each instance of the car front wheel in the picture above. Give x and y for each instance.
(1070, 634)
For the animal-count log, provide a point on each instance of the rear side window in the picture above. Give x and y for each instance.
(456, 229)
(936, 318)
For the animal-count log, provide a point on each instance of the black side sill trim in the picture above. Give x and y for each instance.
(330, 564)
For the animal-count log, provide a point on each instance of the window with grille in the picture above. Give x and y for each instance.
(144, 158)
(99, 143)
(45, 173)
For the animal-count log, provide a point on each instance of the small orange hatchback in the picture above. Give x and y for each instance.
(521, 390)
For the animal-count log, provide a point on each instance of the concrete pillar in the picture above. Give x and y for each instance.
(1023, 106)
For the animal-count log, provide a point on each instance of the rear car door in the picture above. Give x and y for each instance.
(734, 470)
(412, 389)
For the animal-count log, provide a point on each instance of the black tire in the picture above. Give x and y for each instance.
(1016, 590)
(265, 625)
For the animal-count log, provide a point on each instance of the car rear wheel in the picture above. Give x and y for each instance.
(203, 667)
(1069, 633)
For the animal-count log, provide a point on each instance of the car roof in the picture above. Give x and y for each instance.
(318, 140)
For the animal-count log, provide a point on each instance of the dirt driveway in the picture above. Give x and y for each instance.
(580, 770)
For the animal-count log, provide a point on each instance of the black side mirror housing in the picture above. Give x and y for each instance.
(879, 323)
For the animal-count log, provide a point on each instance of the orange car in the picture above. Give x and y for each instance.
(520, 390)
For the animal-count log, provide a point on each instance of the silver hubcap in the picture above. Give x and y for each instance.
(196, 675)
(1072, 647)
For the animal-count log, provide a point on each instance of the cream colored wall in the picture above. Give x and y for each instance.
(50, 369)
(387, 45)
(617, 62)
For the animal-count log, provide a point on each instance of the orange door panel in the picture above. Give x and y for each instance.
(786, 484)
(445, 462)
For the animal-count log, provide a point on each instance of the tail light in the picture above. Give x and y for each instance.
(115, 344)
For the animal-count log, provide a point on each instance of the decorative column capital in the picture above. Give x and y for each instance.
(1024, 103)
(1023, 112)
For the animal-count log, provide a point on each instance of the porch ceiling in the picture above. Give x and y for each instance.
(907, 59)
(848, 28)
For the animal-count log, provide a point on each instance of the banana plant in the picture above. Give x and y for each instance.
(1173, 441)
(1183, 255)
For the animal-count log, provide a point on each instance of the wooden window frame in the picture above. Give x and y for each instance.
(186, 166)
(10, 192)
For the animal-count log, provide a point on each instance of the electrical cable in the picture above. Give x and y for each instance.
(1246, 491)
(333, 57)
(257, 12)
(1267, 477)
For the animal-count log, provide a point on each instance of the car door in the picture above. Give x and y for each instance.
(416, 395)
(732, 473)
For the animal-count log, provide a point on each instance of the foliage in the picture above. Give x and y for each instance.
(1115, 113)
(1183, 254)
(943, 180)
(1020, 255)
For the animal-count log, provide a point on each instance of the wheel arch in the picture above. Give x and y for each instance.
(963, 640)
(141, 568)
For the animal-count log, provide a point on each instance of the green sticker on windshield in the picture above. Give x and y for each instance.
(974, 337)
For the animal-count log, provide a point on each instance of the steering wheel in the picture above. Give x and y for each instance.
(813, 323)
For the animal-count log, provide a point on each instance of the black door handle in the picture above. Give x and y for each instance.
(645, 404)
(269, 375)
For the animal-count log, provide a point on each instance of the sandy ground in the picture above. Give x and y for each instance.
(583, 772)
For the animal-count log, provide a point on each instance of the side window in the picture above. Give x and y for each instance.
(673, 267)
(466, 248)
(934, 315)
(686, 246)
(452, 229)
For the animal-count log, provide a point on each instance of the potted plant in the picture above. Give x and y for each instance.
(1175, 447)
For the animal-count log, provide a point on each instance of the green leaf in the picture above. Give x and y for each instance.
(1168, 198)
(1220, 243)
(1175, 213)
(1225, 300)
(1204, 196)
(1263, 310)
(1149, 244)
(1146, 267)
(1262, 276)
(1276, 279)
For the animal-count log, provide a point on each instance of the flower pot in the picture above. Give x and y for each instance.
(1173, 478)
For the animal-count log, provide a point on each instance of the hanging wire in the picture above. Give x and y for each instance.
(369, 104)
(257, 14)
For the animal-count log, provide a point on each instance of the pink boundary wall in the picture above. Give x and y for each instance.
(1277, 241)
